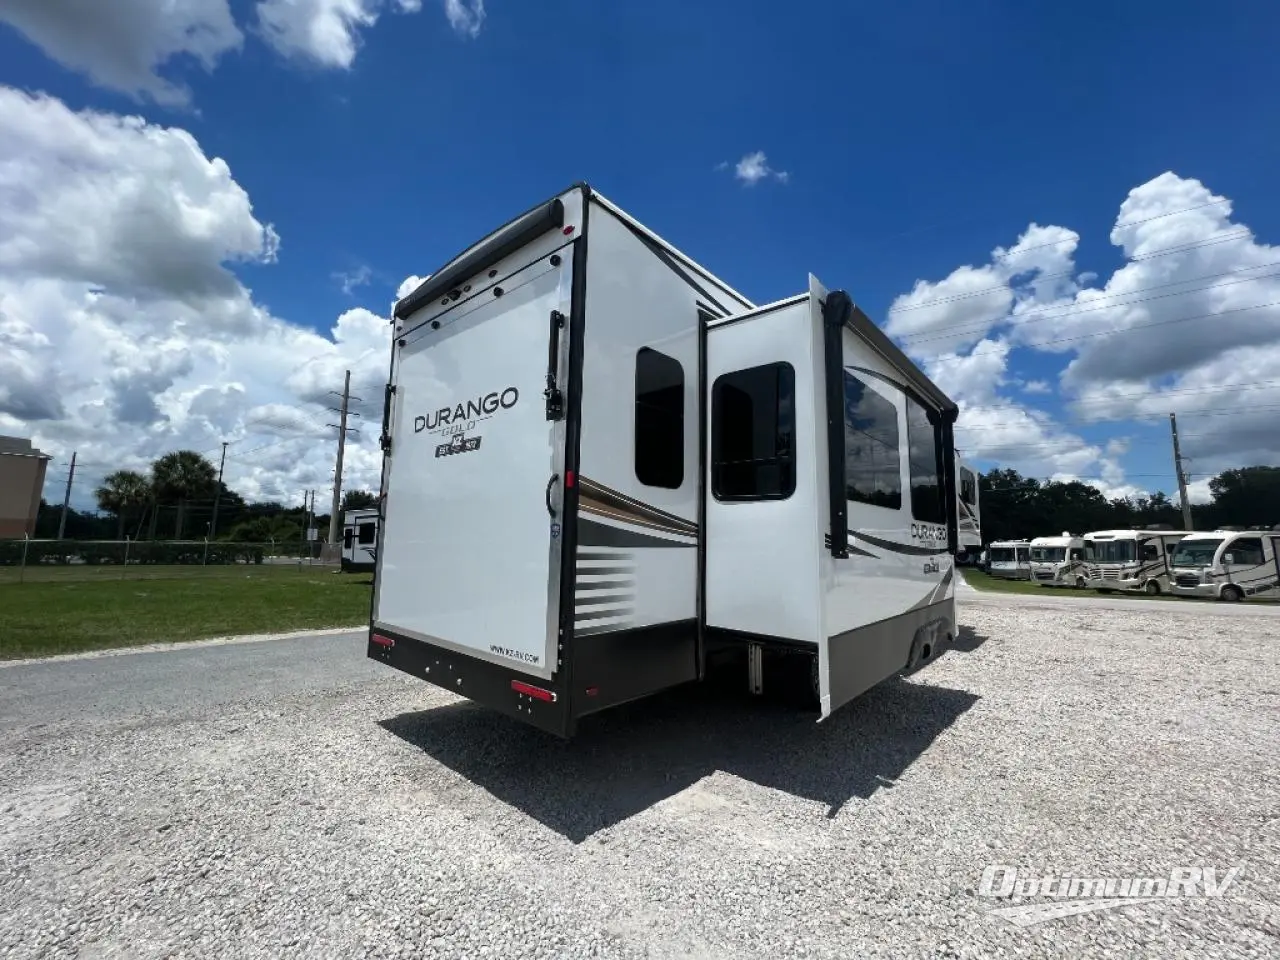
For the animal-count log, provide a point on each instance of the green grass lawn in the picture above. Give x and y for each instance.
(45, 618)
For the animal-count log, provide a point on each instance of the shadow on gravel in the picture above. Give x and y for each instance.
(627, 759)
(967, 640)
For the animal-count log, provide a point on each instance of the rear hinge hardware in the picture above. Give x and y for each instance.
(554, 398)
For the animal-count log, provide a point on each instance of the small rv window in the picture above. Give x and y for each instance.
(924, 440)
(659, 445)
(753, 429)
(367, 533)
(968, 486)
(873, 464)
(1151, 551)
(347, 536)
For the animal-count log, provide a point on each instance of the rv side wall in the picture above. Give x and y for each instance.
(898, 577)
(636, 590)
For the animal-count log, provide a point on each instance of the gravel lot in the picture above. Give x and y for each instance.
(291, 799)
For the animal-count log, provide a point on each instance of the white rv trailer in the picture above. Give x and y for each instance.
(1058, 561)
(602, 465)
(1227, 565)
(359, 539)
(1130, 560)
(968, 515)
(1010, 559)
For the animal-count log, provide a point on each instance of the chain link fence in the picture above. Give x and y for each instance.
(35, 561)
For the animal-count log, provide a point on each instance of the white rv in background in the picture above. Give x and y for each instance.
(359, 539)
(603, 466)
(1010, 559)
(968, 514)
(1130, 560)
(1227, 565)
(1058, 561)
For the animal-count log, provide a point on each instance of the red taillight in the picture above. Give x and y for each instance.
(569, 478)
(592, 691)
(519, 686)
(382, 641)
(568, 230)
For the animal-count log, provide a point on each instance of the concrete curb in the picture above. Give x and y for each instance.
(183, 645)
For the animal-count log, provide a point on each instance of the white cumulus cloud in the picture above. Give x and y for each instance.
(123, 332)
(124, 44)
(754, 167)
(1189, 323)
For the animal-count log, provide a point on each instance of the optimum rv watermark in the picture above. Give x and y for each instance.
(1065, 896)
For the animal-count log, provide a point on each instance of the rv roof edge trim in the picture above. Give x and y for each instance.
(548, 215)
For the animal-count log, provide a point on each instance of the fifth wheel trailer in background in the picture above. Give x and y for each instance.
(359, 539)
(603, 466)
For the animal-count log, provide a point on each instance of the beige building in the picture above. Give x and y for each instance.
(22, 469)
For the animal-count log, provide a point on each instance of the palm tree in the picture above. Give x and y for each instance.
(122, 493)
(180, 477)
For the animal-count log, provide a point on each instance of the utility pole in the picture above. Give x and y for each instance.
(1182, 477)
(213, 523)
(66, 497)
(341, 425)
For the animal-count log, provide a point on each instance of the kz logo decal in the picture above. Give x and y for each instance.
(459, 444)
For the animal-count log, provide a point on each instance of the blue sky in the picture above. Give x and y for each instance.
(915, 137)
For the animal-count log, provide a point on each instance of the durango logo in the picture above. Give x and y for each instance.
(462, 417)
(928, 531)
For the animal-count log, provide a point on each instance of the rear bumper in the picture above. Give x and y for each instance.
(485, 683)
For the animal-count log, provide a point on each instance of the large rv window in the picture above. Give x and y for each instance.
(924, 440)
(659, 419)
(1247, 551)
(873, 465)
(968, 487)
(1195, 553)
(753, 429)
(1048, 554)
(368, 533)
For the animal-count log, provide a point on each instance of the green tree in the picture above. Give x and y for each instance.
(181, 477)
(1247, 496)
(123, 493)
(358, 500)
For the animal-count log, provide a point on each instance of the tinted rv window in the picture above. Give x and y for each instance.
(753, 434)
(659, 419)
(924, 440)
(873, 464)
(346, 537)
(1247, 551)
(367, 533)
(968, 487)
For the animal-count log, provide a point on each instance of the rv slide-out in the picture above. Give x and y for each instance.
(603, 467)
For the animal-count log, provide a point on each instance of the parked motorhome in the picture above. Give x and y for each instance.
(1131, 560)
(359, 539)
(968, 515)
(604, 467)
(1227, 565)
(1058, 561)
(1010, 559)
